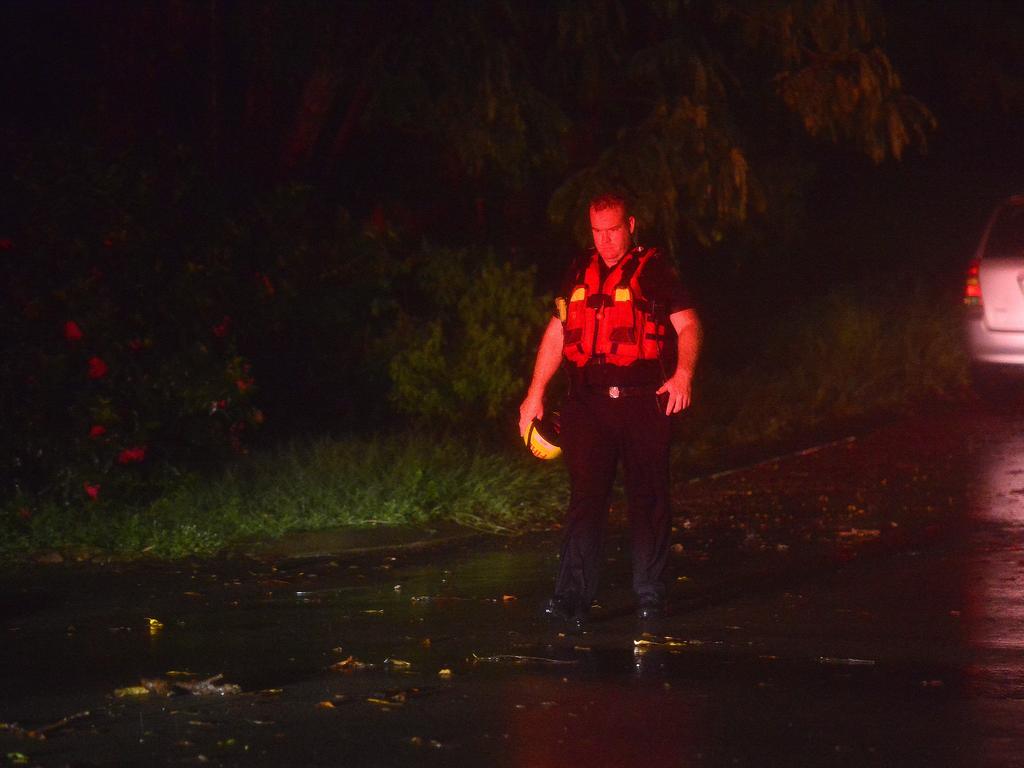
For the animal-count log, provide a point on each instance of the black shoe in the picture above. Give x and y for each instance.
(567, 609)
(650, 607)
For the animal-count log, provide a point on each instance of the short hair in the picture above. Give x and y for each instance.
(610, 199)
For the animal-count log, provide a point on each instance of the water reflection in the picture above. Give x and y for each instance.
(602, 723)
(995, 612)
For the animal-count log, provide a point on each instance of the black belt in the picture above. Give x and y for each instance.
(616, 392)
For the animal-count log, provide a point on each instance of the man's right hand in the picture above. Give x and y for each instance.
(549, 357)
(531, 408)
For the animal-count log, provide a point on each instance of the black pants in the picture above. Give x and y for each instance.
(596, 431)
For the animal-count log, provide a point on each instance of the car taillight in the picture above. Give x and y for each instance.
(972, 285)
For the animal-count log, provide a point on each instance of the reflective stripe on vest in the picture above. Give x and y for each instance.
(612, 320)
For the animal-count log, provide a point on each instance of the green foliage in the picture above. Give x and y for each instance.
(687, 104)
(310, 486)
(465, 77)
(710, 83)
(315, 297)
(402, 479)
(119, 363)
(844, 356)
(675, 102)
(149, 318)
(486, 111)
(462, 350)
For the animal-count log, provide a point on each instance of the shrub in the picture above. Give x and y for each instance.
(843, 356)
(315, 293)
(463, 347)
(119, 362)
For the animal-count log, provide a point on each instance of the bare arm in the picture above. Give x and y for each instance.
(549, 357)
(678, 386)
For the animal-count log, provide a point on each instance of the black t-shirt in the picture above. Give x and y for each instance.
(659, 282)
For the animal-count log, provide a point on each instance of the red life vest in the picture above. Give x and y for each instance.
(612, 321)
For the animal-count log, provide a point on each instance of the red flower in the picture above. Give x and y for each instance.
(221, 329)
(72, 332)
(25, 513)
(132, 455)
(97, 368)
(92, 491)
(97, 430)
(6, 244)
(244, 384)
(135, 344)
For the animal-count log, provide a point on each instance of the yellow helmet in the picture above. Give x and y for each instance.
(542, 436)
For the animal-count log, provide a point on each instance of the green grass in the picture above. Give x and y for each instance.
(837, 359)
(322, 484)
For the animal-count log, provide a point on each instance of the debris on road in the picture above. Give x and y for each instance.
(506, 658)
(131, 690)
(350, 665)
(40, 733)
(859, 533)
(846, 662)
(398, 696)
(665, 642)
(437, 599)
(160, 687)
(418, 741)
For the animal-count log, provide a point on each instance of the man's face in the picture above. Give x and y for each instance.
(612, 231)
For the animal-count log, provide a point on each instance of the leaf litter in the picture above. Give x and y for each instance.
(40, 733)
(210, 686)
(509, 658)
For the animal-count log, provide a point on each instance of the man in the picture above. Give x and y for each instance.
(628, 373)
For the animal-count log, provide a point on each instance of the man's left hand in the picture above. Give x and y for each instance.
(678, 389)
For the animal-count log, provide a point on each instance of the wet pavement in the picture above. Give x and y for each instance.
(856, 605)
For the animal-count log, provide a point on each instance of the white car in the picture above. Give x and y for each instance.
(994, 294)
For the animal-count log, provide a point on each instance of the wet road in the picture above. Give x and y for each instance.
(859, 605)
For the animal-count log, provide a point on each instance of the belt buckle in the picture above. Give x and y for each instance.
(614, 393)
